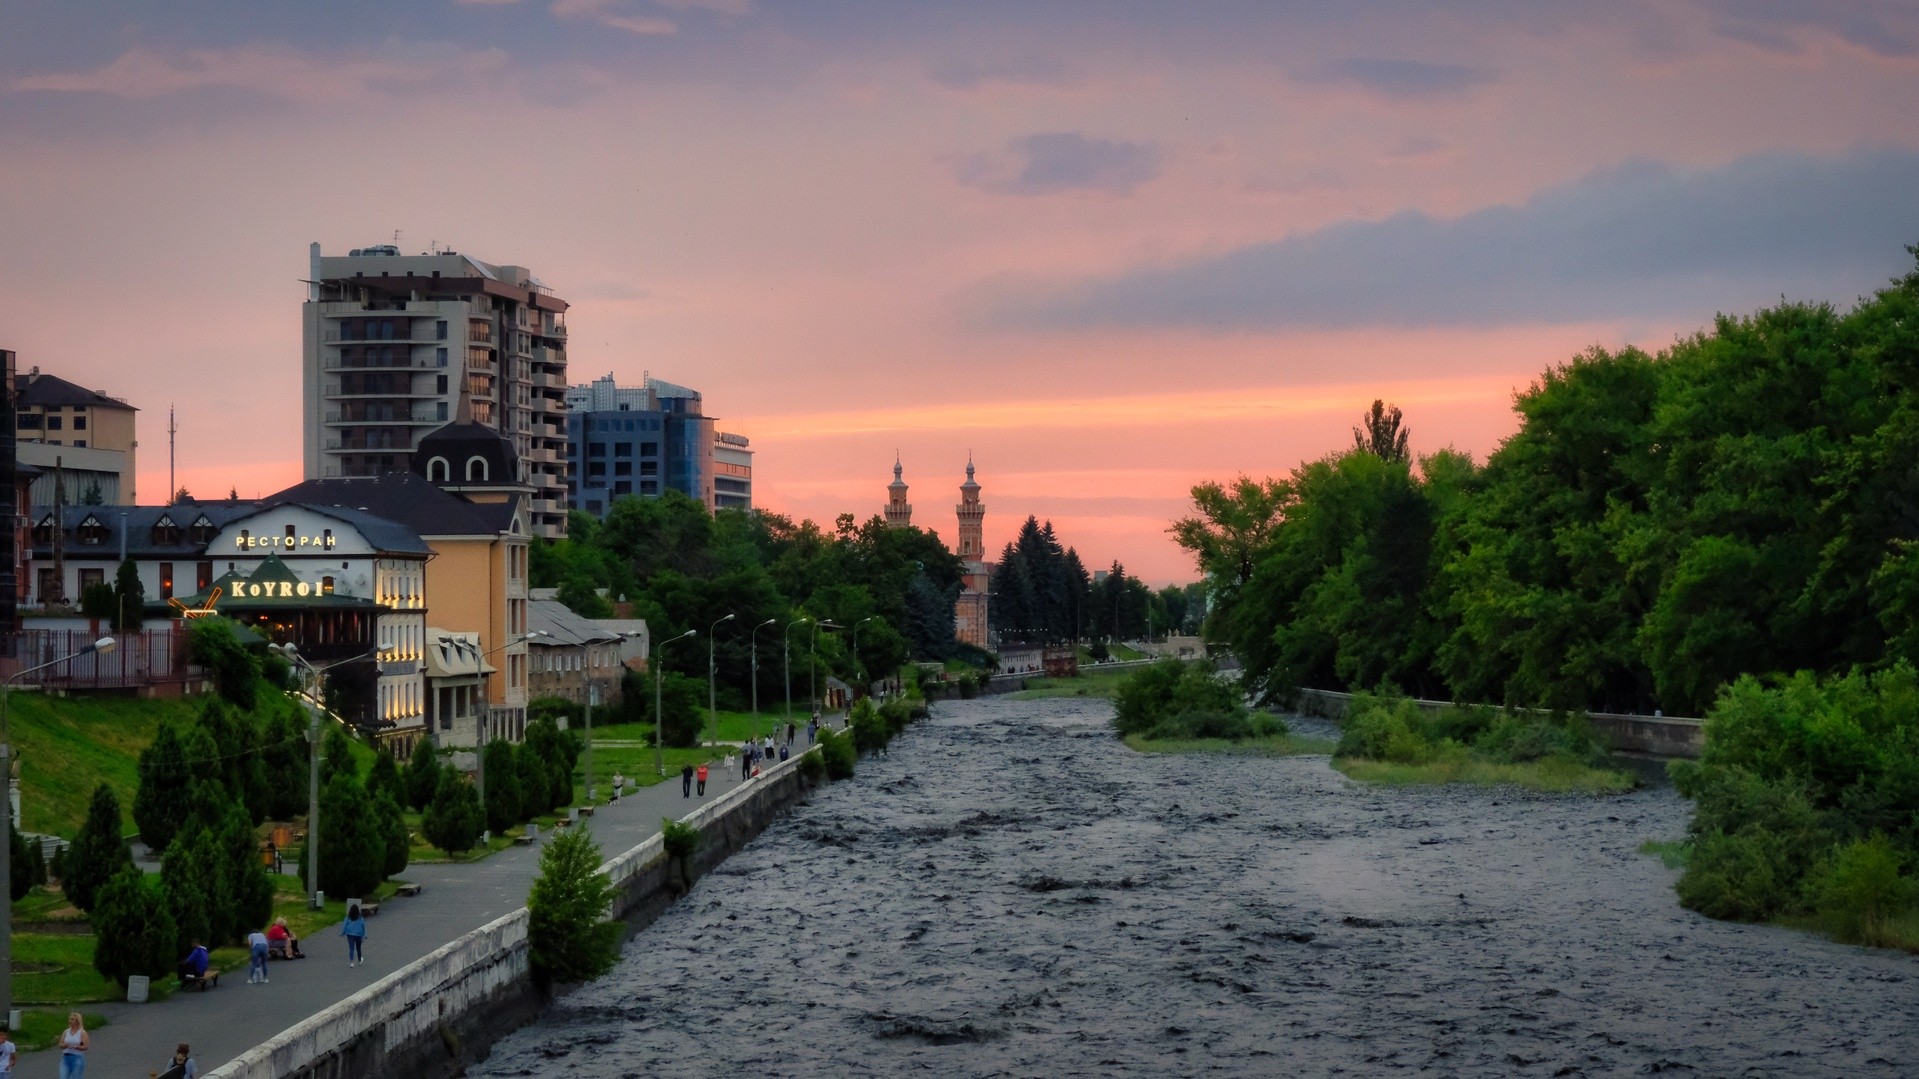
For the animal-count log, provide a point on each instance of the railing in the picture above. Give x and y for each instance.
(141, 658)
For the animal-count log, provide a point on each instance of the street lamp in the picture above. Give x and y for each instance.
(786, 662)
(813, 662)
(857, 660)
(659, 720)
(104, 644)
(316, 704)
(592, 699)
(756, 667)
(712, 705)
(481, 726)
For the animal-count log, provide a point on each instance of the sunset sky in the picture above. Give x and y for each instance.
(1111, 248)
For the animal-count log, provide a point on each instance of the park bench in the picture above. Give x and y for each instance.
(586, 811)
(522, 840)
(408, 889)
(368, 910)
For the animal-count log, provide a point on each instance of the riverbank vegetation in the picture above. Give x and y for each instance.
(1389, 739)
(1175, 706)
(1807, 800)
(1711, 529)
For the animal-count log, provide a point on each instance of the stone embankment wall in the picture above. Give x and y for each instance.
(435, 1016)
(1653, 736)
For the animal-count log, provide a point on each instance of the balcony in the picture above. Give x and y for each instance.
(396, 418)
(337, 363)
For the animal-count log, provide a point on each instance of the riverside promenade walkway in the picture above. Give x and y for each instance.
(453, 900)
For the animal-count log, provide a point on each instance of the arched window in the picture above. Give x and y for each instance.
(476, 469)
(438, 470)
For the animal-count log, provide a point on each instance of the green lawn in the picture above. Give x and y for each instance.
(1091, 682)
(1552, 775)
(70, 745)
(1278, 745)
(39, 1029)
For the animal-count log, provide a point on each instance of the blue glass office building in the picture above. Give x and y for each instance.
(643, 442)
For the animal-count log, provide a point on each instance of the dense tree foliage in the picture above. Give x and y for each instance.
(1742, 502)
(134, 930)
(683, 568)
(98, 852)
(568, 935)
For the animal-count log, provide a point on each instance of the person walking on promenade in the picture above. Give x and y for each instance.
(74, 1043)
(746, 761)
(790, 734)
(619, 783)
(181, 1065)
(786, 748)
(256, 958)
(686, 782)
(701, 776)
(7, 1049)
(354, 930)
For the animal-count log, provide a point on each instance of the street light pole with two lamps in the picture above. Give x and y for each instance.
(104, 644)
(756, 667)
(316, 704)
(813, 662)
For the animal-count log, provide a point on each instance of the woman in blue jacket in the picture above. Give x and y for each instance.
(354, 930)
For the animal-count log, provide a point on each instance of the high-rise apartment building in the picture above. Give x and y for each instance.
(398, 346)
(649, 439)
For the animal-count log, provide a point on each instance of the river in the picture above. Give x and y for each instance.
(1013, 893)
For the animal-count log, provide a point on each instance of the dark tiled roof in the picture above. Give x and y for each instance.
(140, 522)
(408, 499)
(47, 391)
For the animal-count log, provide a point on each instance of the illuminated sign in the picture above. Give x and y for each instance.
(278, 589)
(247, 542)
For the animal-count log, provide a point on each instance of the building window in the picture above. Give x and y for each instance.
(439, 332)
(90, 577)
(439, 357)
(202, 530)
(30, 421)
(81, 443)
(476, 469)
(326, 586)
(203, 576)
(43, 532)
(165, 532)
(79, 423)
(438, 470)
(166, 581)
(53, 423)
(91, 532)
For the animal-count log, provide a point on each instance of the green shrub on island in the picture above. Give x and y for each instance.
(812, 767)
(1804, 801)
(870, 729)
(1386, 726)
(1175, 700)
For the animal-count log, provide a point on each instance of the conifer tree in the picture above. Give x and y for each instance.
(98, 852)
(160, 802)
(453, 819)
(568, 936)
(132, 928)
(422, 775)
(352, 850)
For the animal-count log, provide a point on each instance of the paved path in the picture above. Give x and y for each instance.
(454, 899)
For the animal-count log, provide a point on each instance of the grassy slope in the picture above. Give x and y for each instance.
(1090, 683)
(70, 745)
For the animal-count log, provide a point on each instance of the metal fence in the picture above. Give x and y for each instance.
(139, 659)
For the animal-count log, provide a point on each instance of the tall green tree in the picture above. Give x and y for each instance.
(132, 928)
(129, 597)
(503, 796)
(352, 847)
(422, 775)
(98, 852)
(569, 938)
(1380, 434)
(160, 801)
(453, 820)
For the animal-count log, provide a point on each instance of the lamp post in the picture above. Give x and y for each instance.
(104, 644)
(712, 699)
(813, 662)
(659, 720)
(857, 660)
(786, 662)
(756, 667)
(316, 704)
(480, 725)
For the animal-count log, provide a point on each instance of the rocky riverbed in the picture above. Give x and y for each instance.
(1014, 893)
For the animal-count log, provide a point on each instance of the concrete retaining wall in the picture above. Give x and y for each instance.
(1653, 736)
(441, 1013)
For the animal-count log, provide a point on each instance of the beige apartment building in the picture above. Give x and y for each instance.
(82, 434)
(398, 346)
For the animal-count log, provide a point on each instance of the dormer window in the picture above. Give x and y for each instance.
(165, 532)
(91, 532)
(43, 532)
(438, 470)
(202, 530)
(476, 469)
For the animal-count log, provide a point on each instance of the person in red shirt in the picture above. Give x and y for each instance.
(701, 776)
(281, 943)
